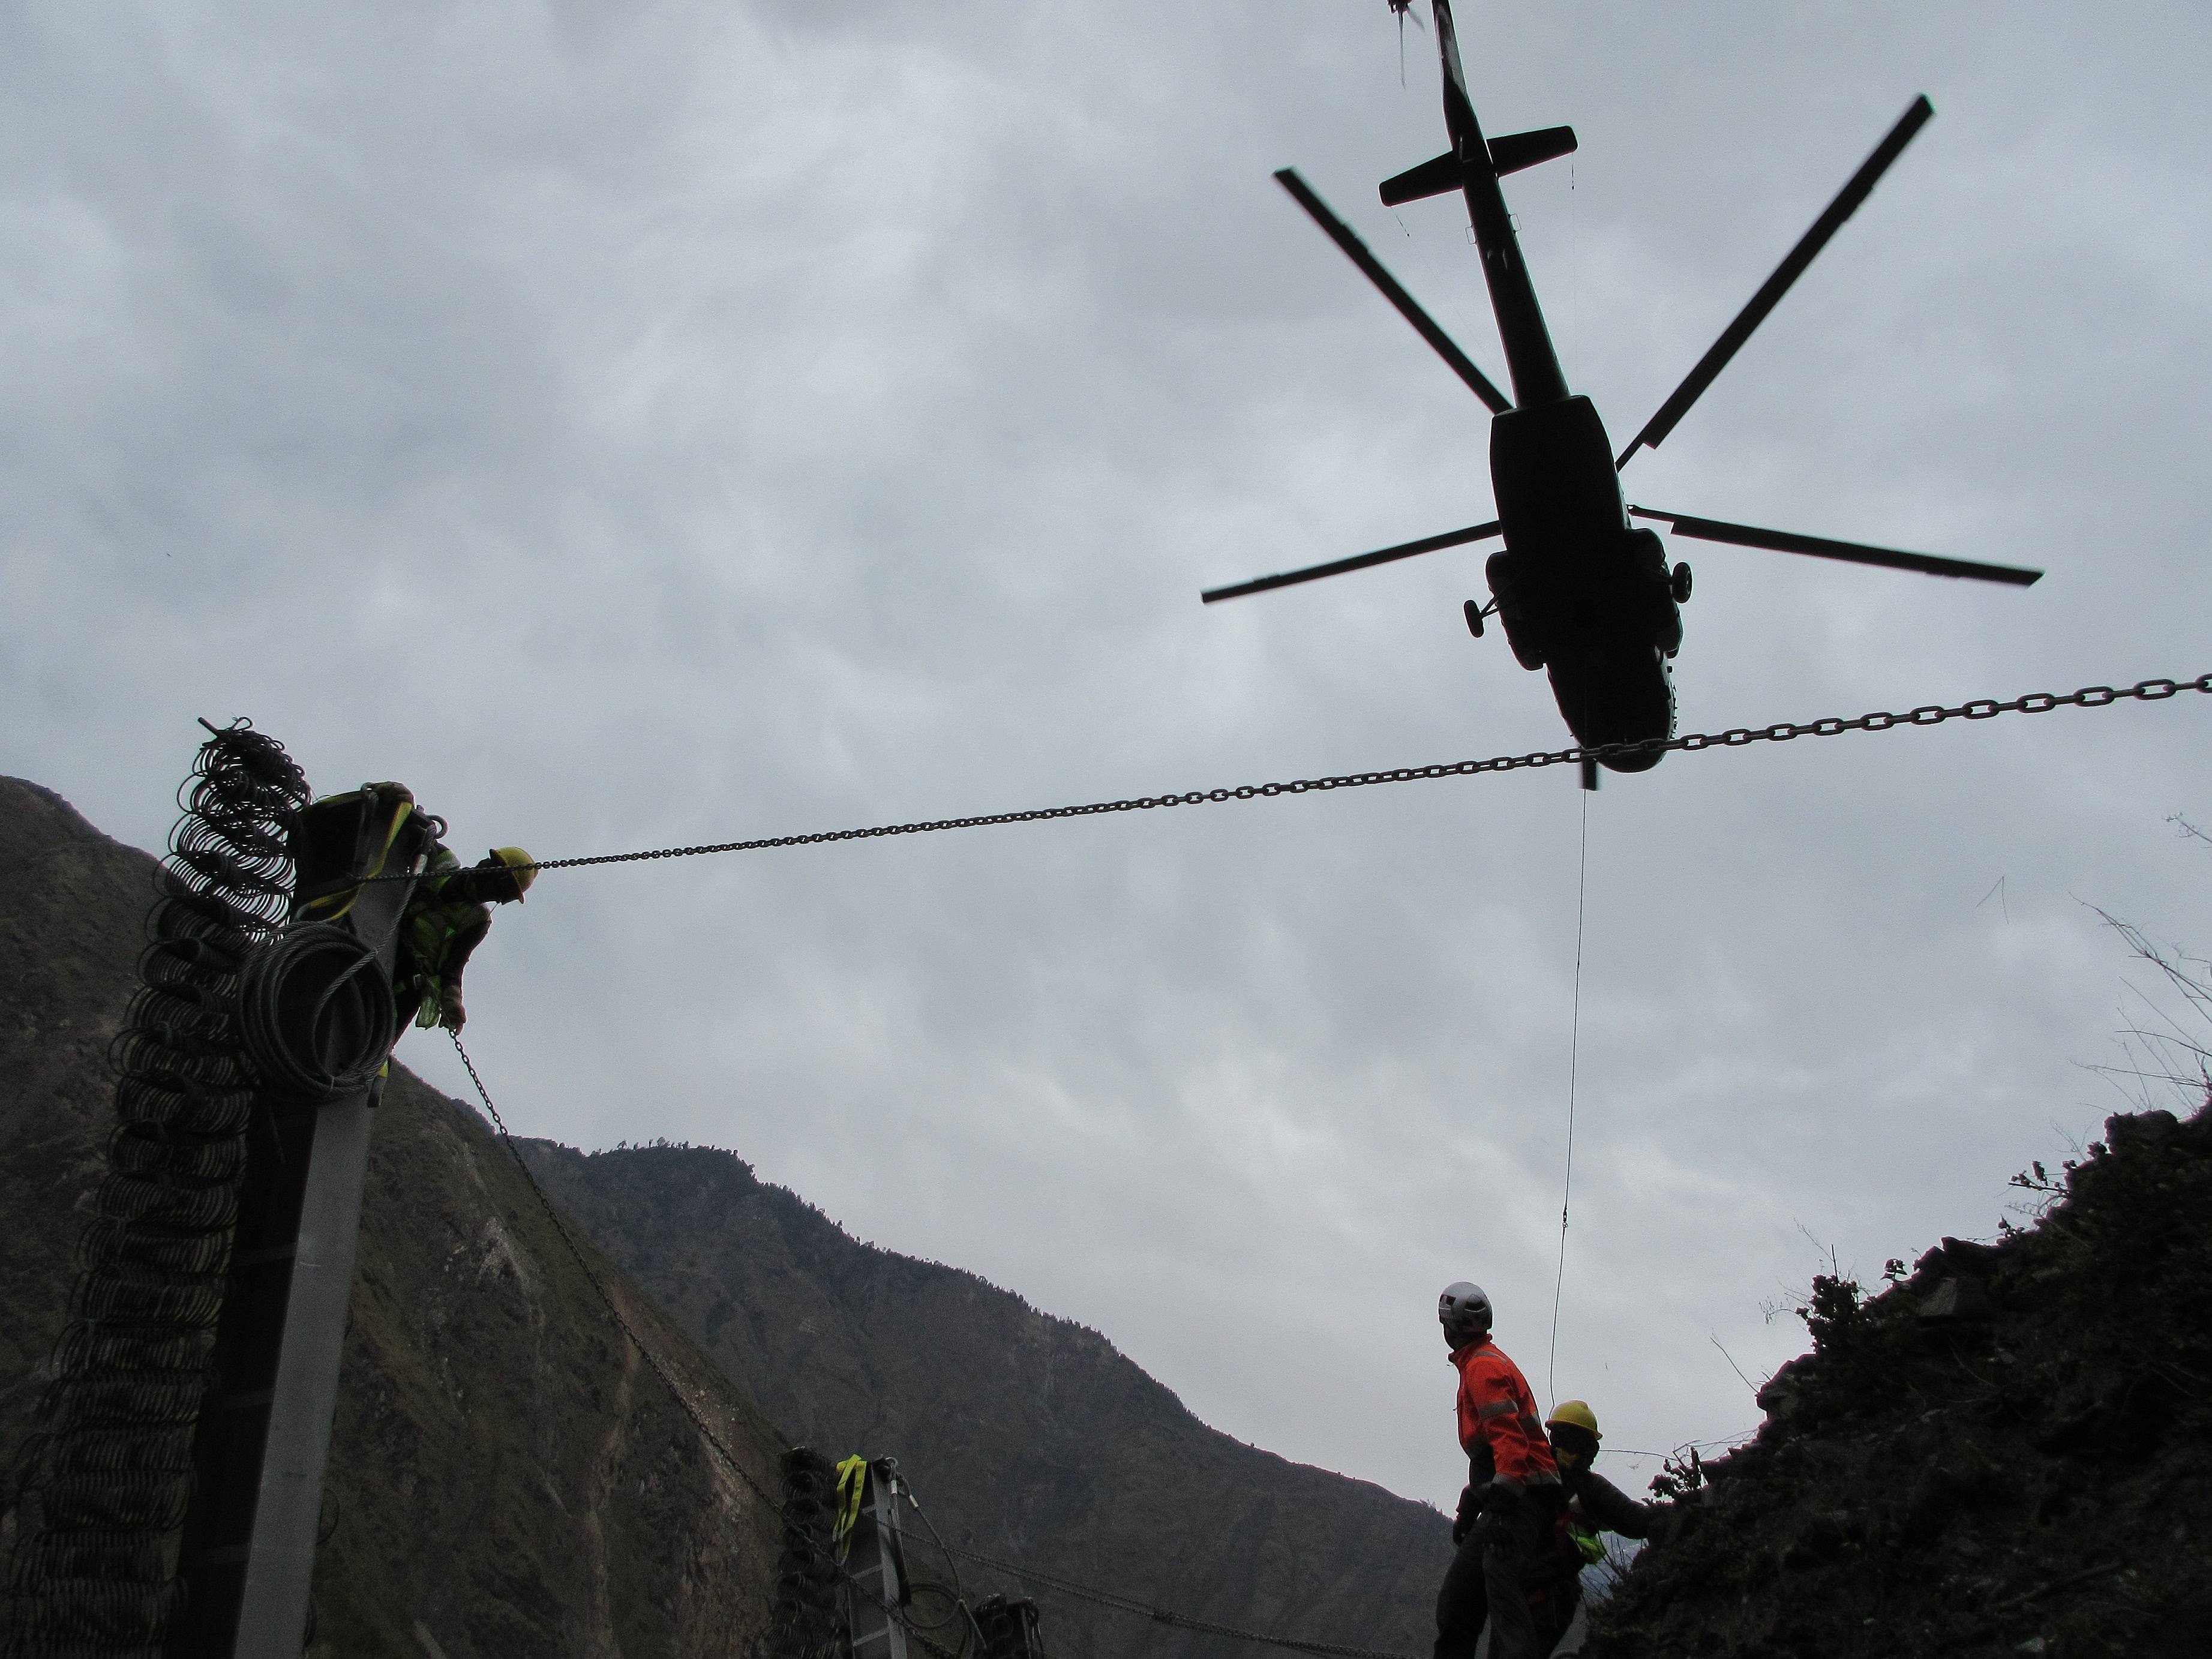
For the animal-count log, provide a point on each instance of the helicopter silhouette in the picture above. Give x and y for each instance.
(1582, 593)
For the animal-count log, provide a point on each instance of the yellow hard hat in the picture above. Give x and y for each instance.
(523, 865)
(1579, 1415)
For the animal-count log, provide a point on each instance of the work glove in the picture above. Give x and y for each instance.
(451, 1014)
(1470, 1510)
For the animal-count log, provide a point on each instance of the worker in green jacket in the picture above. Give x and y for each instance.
(1594, 1505)
(446, 919)
(341, 842)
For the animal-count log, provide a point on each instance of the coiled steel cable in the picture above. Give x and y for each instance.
(348, 1033)
(107, 1474)
(806, 1624)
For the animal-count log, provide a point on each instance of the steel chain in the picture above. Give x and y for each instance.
(1738, 737)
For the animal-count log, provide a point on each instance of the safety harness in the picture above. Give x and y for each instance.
(851, 1491)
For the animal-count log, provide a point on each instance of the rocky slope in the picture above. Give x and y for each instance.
(508, 1480)
(1027, 1436)
(2007, 1452)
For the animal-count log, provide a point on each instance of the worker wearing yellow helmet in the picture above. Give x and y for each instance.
(1594, 1505)
(446, 919)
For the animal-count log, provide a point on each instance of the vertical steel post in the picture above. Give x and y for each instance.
(875, 1559)
(248, 1550)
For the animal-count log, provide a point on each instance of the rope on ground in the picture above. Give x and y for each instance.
(1574, 1067)
(1980, 708)
(1180, 1621)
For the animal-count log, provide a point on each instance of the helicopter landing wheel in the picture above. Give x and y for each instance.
(1474, 613)
(1679, 584)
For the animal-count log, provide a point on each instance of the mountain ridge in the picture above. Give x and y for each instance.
(1006, 1434)
(2006, 1450)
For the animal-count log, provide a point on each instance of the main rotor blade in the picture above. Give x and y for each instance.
(1314, 573)
(1408, 307)
(1785, 541)
(1732, 338)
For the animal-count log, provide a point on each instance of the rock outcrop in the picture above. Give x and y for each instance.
(2008, 1451)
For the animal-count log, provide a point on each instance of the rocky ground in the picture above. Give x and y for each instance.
(2007, 1450)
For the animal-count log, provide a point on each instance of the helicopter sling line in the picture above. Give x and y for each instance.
(1574, 1066)
(1738, 737)
(891, 1610)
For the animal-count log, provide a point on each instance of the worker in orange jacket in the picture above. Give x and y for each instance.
(1510, 1510)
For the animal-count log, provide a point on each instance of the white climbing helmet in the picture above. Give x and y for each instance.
(1463, 1310)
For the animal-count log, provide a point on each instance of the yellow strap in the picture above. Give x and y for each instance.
(852, 1487)
(377, 869)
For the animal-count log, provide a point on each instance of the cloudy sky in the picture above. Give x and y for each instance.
(678, 422)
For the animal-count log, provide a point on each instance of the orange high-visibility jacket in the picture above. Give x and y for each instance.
(1499, 1428)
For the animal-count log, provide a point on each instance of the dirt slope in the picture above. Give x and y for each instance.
(2010, 1452)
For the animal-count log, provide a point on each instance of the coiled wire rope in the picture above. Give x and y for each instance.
(343, 1041)
(105, 1475)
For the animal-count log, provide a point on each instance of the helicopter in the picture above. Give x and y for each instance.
(1580, 592)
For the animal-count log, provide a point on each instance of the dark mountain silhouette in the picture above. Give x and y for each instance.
(1026, 1436)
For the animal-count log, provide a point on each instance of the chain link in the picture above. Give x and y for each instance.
(1980, 708)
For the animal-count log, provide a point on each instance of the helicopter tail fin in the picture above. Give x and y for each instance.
(1516, 150)
(1435, 178)
(1444, 175)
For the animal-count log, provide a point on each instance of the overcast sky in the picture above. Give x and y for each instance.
(674, 423)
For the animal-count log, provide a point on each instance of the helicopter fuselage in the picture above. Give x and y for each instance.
(1581, 594)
